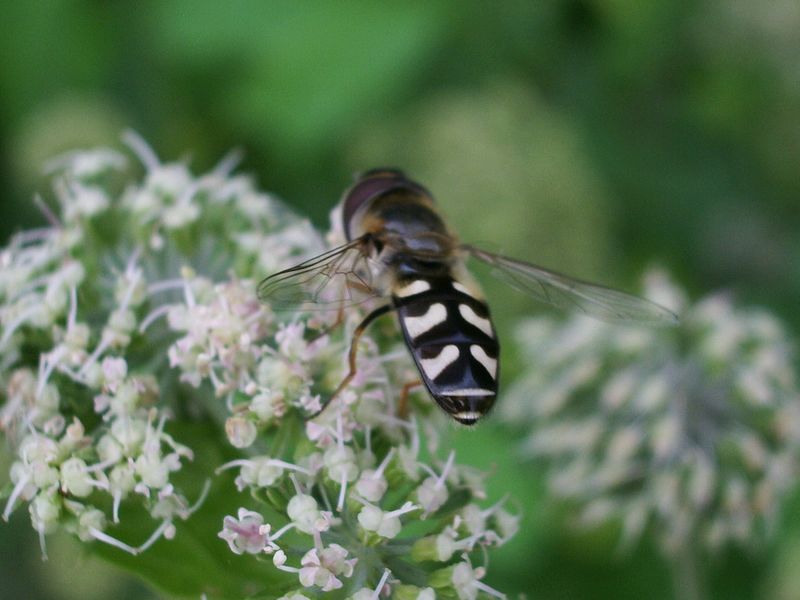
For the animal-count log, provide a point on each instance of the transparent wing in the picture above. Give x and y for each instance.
(572, 294)
(334, 279)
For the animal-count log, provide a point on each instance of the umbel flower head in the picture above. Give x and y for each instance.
(692, 429)
(137, 305)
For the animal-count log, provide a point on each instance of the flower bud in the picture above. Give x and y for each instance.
(121, 479)
(267, 406)
(261, 472)
(77, 336)
(74, 435)
(373, 519)
(73, 273)
(75, 479)
(431, 495)
(412, 592)
(44, 475)
(108, 449)
(114, 371)
(507, 524)
(45, 510)
(48, 401)
(93, 375)
(434, 547)
(129, 433)
(38, 448)
(340, 464)
(91, 518)
(241, 432)
(54, 426)
(153, 472)
(302, 510)
(56, 297)
(120, 325)
(371, 486)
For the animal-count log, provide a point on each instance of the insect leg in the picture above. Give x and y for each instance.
(359, 331)
(402, 405)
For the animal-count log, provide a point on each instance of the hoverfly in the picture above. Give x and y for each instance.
(399, 248)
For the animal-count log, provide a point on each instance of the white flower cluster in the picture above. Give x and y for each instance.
(138, 302)
(83, 397)
(693, 429)
(346, 482)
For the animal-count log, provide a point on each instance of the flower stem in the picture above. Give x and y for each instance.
(686, 574)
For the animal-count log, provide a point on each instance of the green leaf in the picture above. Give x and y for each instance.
(306, 73)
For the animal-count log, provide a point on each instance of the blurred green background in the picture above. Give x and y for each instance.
(594, 136)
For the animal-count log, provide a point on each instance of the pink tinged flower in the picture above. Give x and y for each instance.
(291, 342)
(322, 568)
(334, 557)
(311, 404)
(245, 534)
(321, 435)
(279, 560)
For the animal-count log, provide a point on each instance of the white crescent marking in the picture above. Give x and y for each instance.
(489, 363)
(412, 289)
(467, 392)
(470, 316)
(468, 416)
(460, 287)
(435, 314)
(433, 366)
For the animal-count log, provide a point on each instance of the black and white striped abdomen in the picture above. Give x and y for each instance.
(453, 343)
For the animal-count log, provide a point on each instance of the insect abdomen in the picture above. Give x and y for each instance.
(453, 343)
